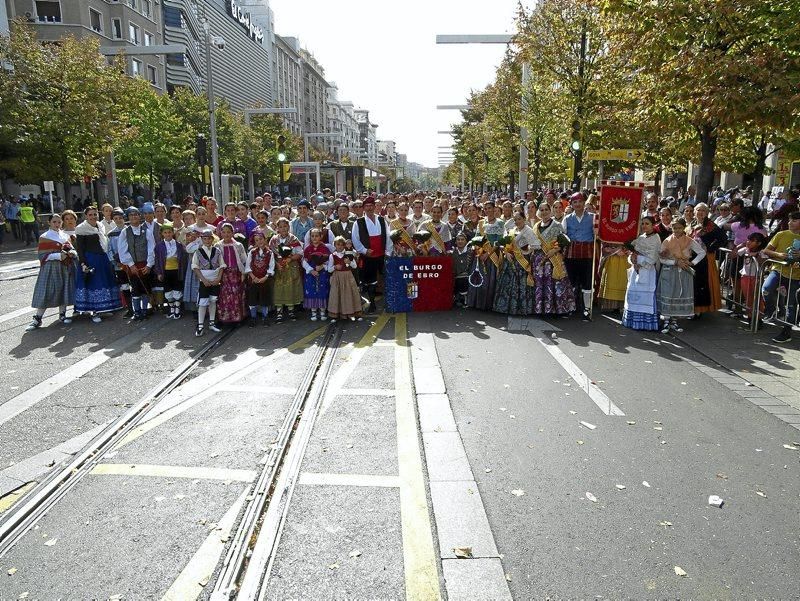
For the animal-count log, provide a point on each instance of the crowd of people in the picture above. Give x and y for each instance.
(539, 255)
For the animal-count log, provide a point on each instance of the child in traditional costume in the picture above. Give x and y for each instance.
(55, 284)
(230, 305)
(462, 260)
(207, 265)
(344, 301)
(288, 287)
(316, 283)
(121, 276)
(170, 268)
(260, 269)
(640, 312)
(675, 293)
(613, 277)
(136, 248)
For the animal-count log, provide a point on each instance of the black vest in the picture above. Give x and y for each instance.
(363, 234)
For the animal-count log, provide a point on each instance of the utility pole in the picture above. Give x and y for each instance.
(577, 127)
(211, 113)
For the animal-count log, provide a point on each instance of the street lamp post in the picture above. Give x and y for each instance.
(212, 117)
(247, 114)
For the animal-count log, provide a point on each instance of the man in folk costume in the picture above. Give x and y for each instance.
(371, 240)
(342, 226)
(439, 242)
(118, 219)
(136, 248)
(579, 226)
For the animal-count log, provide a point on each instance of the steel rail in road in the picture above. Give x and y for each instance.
(20, 518)
(245, 569)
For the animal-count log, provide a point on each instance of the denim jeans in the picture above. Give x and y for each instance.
(769, 291)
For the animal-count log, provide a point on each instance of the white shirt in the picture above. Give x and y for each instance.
(373, 229)
(122, 246)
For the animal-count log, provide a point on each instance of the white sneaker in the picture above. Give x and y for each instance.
(353, 318)
(214, 327)
(313, 315)
(665, 330)
(323, 316)
(96, 319)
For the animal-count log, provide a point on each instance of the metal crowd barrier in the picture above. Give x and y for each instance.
(730, 281)
(787, 293)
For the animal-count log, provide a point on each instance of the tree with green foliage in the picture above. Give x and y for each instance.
(64, 106)
(710, 67)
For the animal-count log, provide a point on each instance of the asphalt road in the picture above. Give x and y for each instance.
(684, 434)
(607, 508)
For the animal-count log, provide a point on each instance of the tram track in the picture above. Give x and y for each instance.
(245, 568)
(20, 518)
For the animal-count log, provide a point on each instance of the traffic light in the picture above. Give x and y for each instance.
(281, 145)
(201, 150)
(576, 136)
(286, 172)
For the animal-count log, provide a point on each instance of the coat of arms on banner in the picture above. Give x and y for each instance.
(620, 209)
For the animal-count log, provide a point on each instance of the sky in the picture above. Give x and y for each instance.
(383, 57)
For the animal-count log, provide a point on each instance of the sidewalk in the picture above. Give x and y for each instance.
(755, 358)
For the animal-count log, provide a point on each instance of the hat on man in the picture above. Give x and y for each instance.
(369, 200)
(167, 226)
(148, 208)
(132, 209)
(304, 203)
(116, 211)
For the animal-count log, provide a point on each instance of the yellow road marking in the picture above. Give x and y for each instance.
(316, 479)
(7, 501)
(372, 334)
(191, 581)
(151, 424)
(419, 557)
(174, 471)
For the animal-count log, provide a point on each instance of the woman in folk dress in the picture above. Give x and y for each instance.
(675, 293)
(640, 311)
(230, 306)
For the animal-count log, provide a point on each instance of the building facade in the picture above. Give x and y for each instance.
(342, 121)
(115, 23)
(367, 138)
(387, 153)
(288, 81)
(241, 66)
(3, 18)
(315, 100)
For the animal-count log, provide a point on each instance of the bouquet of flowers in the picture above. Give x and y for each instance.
(421, 237)
(477, 241)
(793, 252)
(563, 241)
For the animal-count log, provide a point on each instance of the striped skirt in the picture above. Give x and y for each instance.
(55, 286)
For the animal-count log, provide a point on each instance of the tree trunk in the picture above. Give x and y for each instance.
(758, 172)
(708, 151)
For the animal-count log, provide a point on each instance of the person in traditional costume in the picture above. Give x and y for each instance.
(463, 256)
(675, 291)
(552, 287)
(454, 224)
(488, 258)
(402, 241)
(579, 228)
(262, 226)
(300, 225)
(316, 282)
(707, 293)
(55, 284)
(613, 276)
(191, 285)
(439, 242)
(136, 248)
(107, 222)
(96, 289)
(170, 269)
(342, 225)
(288, 286)
(69, 221)
(121, 276)
(230, 304)
(231, 219)
(207, 264)
(664, 224)
(640, 311)
(260, 270)
(515, 284)
(371, 240)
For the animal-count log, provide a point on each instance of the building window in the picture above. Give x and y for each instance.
(152, 75)
(96, 20)
(132, 4)
(136, 68)
(48, 11)
(172, 16)
(149, 39)
(133, 34)
(116, 29)
(147, 9)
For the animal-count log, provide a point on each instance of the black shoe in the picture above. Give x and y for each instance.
(292, 315)
(252, 322)
(199, 331)
(586, 316)
(128, 314)
(370, 308)
(214, 326)
(35, 324)
(784, 336)
(264, 321)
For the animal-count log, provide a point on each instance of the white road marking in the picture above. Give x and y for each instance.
(18, 266)
(537, 328)
(15, 314)
(290, 390)
(34, 395)
(191, 581)
(315, 479)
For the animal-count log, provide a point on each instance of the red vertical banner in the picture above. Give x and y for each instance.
(620, 212)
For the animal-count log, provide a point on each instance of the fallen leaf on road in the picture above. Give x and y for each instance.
(580, 442)
(683, 383)
(12, 571)
(51, 542)
(355, 553)
(659, 428)
(679, 571)
(588, 425)
(472, 390)
(487, 470)
(462, 552)
(517, 492)
(508, 576)
(506, 386)
(591, 497)
(647, 361)
(203, 582)
(621, 486)
(715, 501)
(576, 413)
(665, 524)
(631, 423)
(333, 566)
(722, 476)
(645, 483)
(503, 409)
(791, 447)
(761, 494)
(23, 595)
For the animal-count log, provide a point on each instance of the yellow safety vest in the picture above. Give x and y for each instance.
(26, 215)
